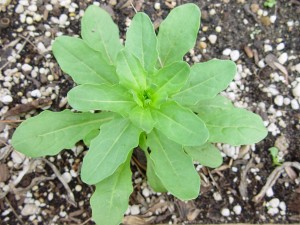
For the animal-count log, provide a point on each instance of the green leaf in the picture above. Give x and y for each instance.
(178, 33)
(206, 81)
(90, 136)
(170, 79)
(82, 63)
(101, 97)
(141, 117)
(50, 132)
(141, 41)
(173, 167)
(180, 124)
(100, 32)
(130, 71)
(152, 178)
(218, 103)
(234, 126)
(110, 199)
(206, 155)
(109, 150)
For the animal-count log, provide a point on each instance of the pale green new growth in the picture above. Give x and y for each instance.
(142, 94)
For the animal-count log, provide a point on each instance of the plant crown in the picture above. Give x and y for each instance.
(142, 94)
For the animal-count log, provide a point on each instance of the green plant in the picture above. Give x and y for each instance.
(270, 3)
(277, 161)
(148, 97)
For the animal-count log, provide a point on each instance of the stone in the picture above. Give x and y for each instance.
(235, 55)
(212, 38)
(296, 90)
(294, 104)
(225, 212)
(134, 210)
(237, 209)
(6, 99)
(280, 46)
(283, 58)
(226, 51)
(29, 209)
(278, 100)
(274, 202)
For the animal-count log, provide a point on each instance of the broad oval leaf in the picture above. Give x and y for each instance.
(218, 103)
(206, 81)
(178, 33)
(82, 63)
(110, 199)
(173, 167)
(153, 180)
(180, 124)
(101, 97)
(90, 136)
(50, 132)
(109, 150)
(170, 79)
(142, 118)
(130, 71)
(100, 32)
(206, 155)
(141, 41)
(234, 126)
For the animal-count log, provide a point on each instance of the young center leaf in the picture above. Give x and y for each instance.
(50, 132)
(109, 150)
(170, 159)
(110, 199)
(206, 80)
(82, 63)
(206, 155)
(101, 97)
(169, 80)
(100, 32)
(180, 124)
(234, 126)
(178, 33)
(141, 41)
(130, 71)
(142, 118)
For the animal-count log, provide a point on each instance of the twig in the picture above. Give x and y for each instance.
(243, 184)
(11, 121)
(13, 210)
(273, 178)
(85, 222)
(35, 181)
(133, 7)
(70, 195)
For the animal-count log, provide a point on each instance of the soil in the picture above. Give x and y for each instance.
(246, 26)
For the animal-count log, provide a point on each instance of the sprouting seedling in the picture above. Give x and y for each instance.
(143, 94)
(277, 161)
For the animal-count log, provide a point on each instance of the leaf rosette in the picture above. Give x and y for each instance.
(143, 94)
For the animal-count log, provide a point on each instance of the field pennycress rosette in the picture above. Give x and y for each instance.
(142, 94)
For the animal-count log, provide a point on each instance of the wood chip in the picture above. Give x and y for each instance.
(4, 173)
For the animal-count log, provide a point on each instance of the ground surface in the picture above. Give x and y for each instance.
(264, 42)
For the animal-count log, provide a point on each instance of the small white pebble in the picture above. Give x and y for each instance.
(157, 6)
(225, 212)
(17, 157)
(282, 206)
(261, 64)
(29, 209)
(36, 93)
(78, 188)
(283, 58)
(67, 177)
(19, 9)
(234, 169)
(235, 55)
(146, 192)
(218, 29)
(270, 192)
(294, 104)
(32, 8)
(268, 48)
(134, 210)
(217, 196)
(286, 101)
(50, 196)
(273, 211)
(212, 38)
(6, 99)
(237, 209)
(212, 12)
(26, 67)
(63, 18)
(29, 20)
(226, 51)
(278, 100)
(50, 77)
(274, 202)
(296, 90)
(280, 46)
(273, 18)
